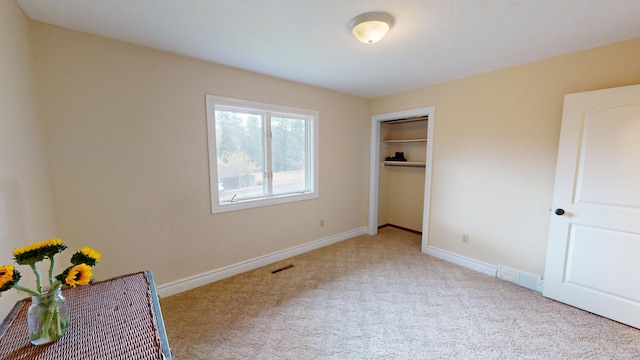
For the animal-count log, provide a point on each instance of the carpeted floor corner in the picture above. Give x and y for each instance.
(379, 297)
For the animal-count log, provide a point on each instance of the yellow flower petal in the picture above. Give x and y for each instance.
(90, 253)
(86, 255)
(30, 254)
(6, 275)
(79, 275)
(35, 246)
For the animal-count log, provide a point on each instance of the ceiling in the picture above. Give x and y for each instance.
(308, 41)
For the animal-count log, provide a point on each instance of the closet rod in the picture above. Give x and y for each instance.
(400, 121)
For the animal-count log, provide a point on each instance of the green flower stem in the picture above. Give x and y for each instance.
(26, 289)
(47, 315)
(52, 264)
(38, 276)
(58, 329)
(55, 286)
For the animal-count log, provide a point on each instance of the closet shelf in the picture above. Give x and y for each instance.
(402, 121)
(404, 141)
(405, 163)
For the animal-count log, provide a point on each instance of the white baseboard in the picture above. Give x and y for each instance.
(467, 262)
(195, 281)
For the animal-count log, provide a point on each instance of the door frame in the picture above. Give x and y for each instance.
(374, 166)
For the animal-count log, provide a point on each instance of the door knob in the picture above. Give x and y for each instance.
(559, 212)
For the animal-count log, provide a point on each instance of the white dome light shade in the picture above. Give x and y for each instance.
(371, 27)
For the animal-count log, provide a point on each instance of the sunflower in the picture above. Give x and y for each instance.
(78, 275)
(9, 276)
(30, 254)
(86, 255)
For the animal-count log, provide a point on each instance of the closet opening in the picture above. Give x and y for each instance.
(400, 176)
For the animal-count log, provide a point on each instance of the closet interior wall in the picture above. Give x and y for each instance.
(401, 184)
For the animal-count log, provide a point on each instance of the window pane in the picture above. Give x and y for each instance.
(249, 140)
(289, 155)
(239, 153)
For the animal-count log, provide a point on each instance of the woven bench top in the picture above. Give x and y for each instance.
(119, 318)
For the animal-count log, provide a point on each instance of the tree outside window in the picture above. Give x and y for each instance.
(261, 153)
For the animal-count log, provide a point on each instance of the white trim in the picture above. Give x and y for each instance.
(429, 111)
(374, 176)
(467, 262)
(195, 281)
(428, 175)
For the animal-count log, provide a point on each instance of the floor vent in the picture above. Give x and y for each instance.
(525, 279)
(282, 269)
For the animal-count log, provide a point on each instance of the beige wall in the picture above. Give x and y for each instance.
(496, 139)
(128, 148)
(26, 208)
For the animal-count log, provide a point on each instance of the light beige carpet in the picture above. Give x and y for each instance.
(381, 298)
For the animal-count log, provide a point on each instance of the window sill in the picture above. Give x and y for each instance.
(255, 203)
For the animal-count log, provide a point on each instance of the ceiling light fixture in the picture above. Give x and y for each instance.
(371, 27)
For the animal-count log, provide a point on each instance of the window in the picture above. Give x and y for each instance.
(260, 154)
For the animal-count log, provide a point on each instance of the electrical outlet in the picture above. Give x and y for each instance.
(465, 238)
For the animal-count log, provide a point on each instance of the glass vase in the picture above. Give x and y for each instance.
(47, 317)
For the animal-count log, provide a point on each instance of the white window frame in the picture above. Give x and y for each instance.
(311, 170)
